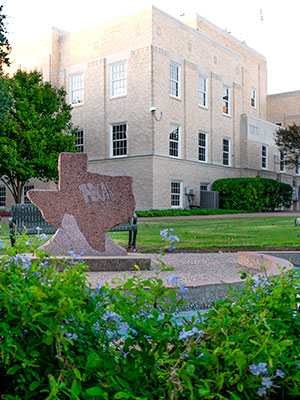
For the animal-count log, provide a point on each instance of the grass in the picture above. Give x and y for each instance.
(255, 233)
(251, 233)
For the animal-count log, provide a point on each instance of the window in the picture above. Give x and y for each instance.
(253, 98)
(204, 187)
(79, 141)
(202, 146)
(176, 196)
(119, 140)
(297, 168)
(2, 196)
(76, 89)
(174, 142)
(226, 100)
(175, 80)
(226, 152)
(282, 161)
(25, 190)
(202, 91)
(118, 79)
(264, 157)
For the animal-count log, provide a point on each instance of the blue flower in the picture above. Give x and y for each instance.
(182, 289)
(280, 373)
(72, 336)
(96, 326)
(266, 382)
(259, 369)
(186, 334)
(262, 391)
(2, 245)
(38, 229)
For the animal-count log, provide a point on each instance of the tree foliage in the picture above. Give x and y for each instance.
(288, 140)
(36, 128)
(4, 44)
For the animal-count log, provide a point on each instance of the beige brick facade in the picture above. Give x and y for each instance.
(148, 44)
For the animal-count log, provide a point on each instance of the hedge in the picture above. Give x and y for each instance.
(253, 194)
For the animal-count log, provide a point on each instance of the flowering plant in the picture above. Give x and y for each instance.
(62, 339)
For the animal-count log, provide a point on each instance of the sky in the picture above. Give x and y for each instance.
(271, 27)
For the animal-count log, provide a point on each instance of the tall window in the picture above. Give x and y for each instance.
(253, 98)
(76, 88)
(226, 100)
(176, 195)
(119, 140)
(175, 80)
(174, 140)
(202, 146)
(79, 141)
(282, 161)
(2, 196)
(202, 91)
(25, 190)
(297, 169)
(226, 152)
(264, 156)
(118, 79)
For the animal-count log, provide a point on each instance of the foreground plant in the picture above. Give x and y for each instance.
(62, 339)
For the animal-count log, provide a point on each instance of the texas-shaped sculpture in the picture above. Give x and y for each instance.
(93, 201)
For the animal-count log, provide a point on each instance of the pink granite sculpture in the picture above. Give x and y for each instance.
(85, 207)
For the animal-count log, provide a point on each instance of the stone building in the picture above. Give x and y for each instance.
(174, 104)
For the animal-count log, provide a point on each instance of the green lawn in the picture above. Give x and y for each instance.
(231, 233)
(218, 233)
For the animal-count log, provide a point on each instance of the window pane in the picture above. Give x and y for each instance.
(77, 88)
(175, 194)
(118, 79)
(202, 146)
(79, 145)
(174, 80)
(25, 190)
(2, 196)
(119, 139)
(174, 141)
(226, 152)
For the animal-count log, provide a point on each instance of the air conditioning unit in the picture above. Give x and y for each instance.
(209, 199)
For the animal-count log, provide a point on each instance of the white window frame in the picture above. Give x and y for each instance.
(281, 161)
(173, 143)
(203, 91)
(176, 194)
(79, 141)
(175, 82)
(226, 100)
(228, 152)
(264, 156)
(297, 166)
(119, 140)
(76, 89)
(201, 146)
(26, 188)
(118, 79)
(2, 197)
(253, 98)
(204, 186)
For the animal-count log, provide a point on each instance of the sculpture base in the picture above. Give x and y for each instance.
(103, 263)
(68, 238)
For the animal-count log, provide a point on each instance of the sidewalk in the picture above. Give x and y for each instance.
(244, 215)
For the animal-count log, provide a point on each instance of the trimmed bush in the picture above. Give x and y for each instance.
(176, 213)
(253, 194)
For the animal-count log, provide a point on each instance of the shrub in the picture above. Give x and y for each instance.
(253, 194)
(62, 339)
(176, 212)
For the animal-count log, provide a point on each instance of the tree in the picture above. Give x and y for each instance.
(4, 44)
(4, 61)
(288, 140)
(36, 128)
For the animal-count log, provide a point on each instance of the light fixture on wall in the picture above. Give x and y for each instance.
(153, 111)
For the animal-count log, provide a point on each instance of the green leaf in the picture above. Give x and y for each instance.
(94, 391)
(13, 370)
(76, 387)
(122, 395)
(33, 385)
